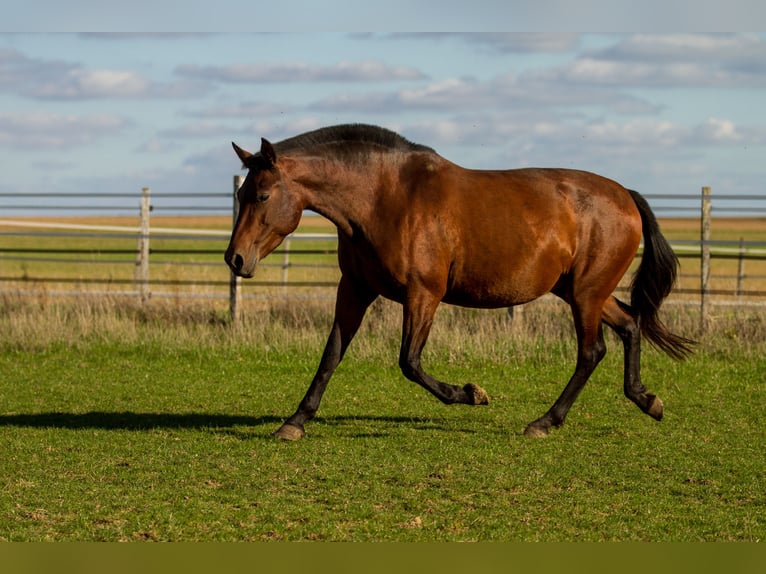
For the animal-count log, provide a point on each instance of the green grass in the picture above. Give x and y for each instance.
(122, 423)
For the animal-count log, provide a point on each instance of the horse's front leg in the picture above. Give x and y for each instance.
(351, 303)
(418, 317)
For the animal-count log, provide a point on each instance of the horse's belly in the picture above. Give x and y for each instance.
(493, 294)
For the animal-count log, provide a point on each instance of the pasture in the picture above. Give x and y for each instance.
(129, 422)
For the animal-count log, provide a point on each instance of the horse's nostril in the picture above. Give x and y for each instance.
(234, 260)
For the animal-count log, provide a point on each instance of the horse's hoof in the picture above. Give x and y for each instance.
(535, 431)
(476, 395)
(290, 432)
(655, 409)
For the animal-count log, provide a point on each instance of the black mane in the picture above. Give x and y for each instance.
(347, 138)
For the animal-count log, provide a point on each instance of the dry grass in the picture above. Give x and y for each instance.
(38, 322)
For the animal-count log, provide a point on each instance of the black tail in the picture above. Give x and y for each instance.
(653, 282)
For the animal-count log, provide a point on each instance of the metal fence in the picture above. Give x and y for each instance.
(49, 256)
(71, 255)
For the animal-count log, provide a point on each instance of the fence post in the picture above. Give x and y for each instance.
(235, 282)
(142, 255)
(705, 258)
(285, 264)
(740, 268)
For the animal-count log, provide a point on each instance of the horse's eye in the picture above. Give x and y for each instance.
(261, 197)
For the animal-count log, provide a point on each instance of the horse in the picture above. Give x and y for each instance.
(417, 229)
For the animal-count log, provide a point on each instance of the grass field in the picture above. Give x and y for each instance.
(127, 422)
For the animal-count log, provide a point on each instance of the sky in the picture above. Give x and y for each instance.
(660, 112)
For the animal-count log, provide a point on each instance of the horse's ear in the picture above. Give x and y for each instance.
(243, 155)
(267, 151)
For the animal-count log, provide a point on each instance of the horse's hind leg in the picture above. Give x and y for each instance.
(590, 350)
(351, 304)
(418, 317)
(619, 317)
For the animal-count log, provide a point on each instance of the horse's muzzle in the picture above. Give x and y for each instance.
(236, 263)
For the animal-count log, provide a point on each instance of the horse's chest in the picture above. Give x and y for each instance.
(376, 269)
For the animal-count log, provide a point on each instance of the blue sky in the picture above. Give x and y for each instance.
(660, 112)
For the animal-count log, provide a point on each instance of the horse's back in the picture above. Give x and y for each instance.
(518, 232)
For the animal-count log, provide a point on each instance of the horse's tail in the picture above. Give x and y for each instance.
(653, 282)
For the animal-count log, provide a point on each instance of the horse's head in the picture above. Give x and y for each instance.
(267, 211)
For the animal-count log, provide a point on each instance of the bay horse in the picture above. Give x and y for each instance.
(418, 229)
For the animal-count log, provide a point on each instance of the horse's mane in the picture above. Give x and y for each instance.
(349, 138)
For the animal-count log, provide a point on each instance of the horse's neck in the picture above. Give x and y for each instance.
(337, 191)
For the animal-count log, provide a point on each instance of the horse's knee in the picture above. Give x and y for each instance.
(599, 351)
(593, 355)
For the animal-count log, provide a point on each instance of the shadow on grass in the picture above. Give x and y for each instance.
(228, 424)
(129, 420)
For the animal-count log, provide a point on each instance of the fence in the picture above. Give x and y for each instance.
(31, 251)
(62, 258)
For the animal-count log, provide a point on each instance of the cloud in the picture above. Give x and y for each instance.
(691, 47)
(20, 74)
(61, 80)
(504, 92)
(662, 61)
(43, 130)
(552, 140)
(716, 131)
(85, 84)
(294, 72)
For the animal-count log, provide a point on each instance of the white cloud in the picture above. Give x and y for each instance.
(665, 61)
(84, 84)
(723, 132)
(56, 131)
(646, 133)
(61, 80)
(692, 47)
(577, 141)
(456, 95)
